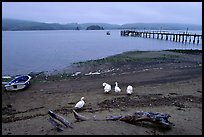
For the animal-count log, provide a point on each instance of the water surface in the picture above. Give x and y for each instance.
(34, 51)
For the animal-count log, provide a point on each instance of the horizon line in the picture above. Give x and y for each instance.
(101, 22)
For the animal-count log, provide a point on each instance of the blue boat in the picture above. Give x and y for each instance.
(18, 83)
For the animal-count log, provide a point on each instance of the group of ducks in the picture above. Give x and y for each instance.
(107, 89)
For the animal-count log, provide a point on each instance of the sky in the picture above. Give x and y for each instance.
(105, 12)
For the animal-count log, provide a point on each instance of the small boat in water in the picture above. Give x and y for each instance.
(18, 83)
(108, 33)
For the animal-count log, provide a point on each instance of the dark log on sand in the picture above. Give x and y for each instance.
(153, 117)
(80, 117)
(83, 118)
(60, 118)
(56, 124)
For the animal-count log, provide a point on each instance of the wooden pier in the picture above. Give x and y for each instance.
(179, 37)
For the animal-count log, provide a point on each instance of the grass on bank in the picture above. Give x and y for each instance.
(126, 57)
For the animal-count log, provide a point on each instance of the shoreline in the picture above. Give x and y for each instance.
(108, 64)
(74, 68)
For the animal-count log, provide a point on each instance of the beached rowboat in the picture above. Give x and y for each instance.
(18, 83)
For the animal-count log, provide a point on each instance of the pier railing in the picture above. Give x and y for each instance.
(177, 37)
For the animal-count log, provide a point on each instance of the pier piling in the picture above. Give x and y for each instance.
(177, 37)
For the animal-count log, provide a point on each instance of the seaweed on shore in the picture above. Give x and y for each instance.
(190, 51)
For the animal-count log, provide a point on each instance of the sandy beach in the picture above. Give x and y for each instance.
(163, 81)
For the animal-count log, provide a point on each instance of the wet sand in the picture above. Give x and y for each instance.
(169, 85)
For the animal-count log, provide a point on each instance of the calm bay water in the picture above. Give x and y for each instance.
(35, 51)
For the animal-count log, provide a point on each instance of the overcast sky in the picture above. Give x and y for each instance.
(105, 12)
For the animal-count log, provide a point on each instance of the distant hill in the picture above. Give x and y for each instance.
(104, 25)
(164, 26)
(14, 25)
(94, 27)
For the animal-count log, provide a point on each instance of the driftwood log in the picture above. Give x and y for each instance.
(55, 124)
(153, 117)
(60, 118)
(135, 118)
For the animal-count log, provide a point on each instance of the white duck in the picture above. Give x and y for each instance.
(129, 90)
(107, 87)
(117, 89)
(80, 104)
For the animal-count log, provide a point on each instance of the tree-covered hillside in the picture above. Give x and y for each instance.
(14, 25)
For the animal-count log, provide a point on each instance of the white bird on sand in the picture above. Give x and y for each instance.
(117, 89)
(107, 87)
(80, 104)
(129, 90)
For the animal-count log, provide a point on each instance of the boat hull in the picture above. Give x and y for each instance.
(18, 83)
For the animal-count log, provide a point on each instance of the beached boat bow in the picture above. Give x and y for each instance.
(18, 83)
